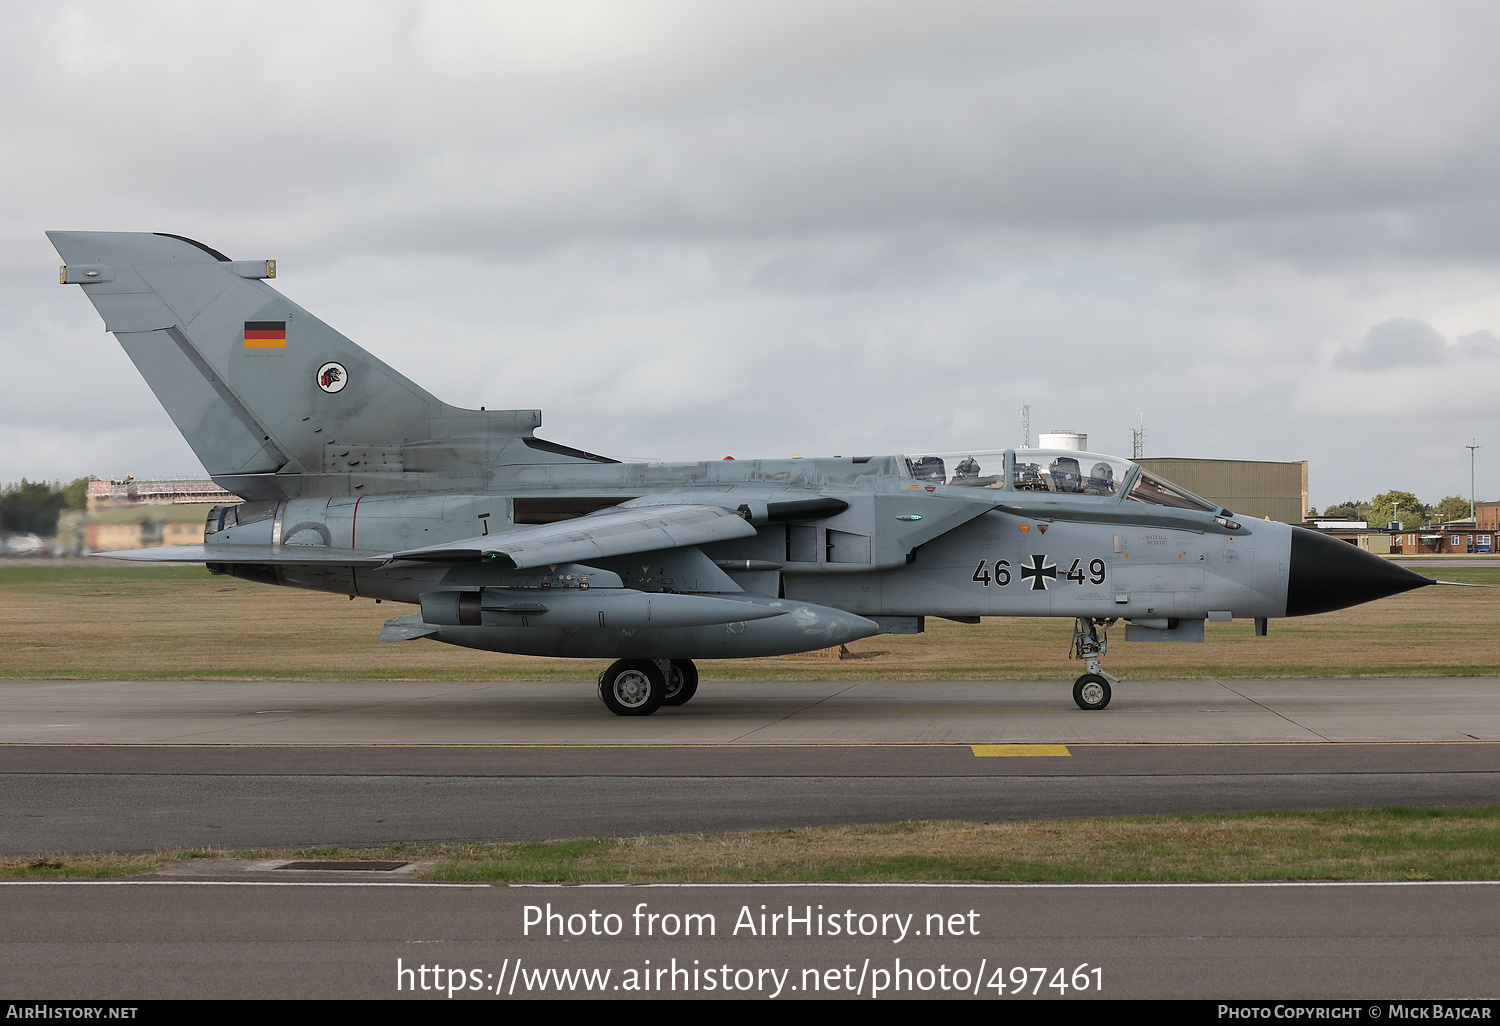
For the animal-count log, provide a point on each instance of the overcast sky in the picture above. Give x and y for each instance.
(688, 230)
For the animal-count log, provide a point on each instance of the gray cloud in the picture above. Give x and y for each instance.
(1399, 342)
(428, 125)
(1406, 342)
(1478, 345)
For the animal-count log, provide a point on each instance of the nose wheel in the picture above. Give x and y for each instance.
(1091, 691)
(1090, 641)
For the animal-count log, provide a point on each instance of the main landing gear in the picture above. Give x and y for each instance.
(1090, 641)
(682, 682)
(639, 687)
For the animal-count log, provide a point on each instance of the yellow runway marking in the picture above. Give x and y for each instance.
(983, 751)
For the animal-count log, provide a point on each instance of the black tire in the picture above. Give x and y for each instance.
(1091, 691)
(682, 682)
(633, 687)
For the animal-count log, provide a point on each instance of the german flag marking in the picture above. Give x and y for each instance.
(265, 334)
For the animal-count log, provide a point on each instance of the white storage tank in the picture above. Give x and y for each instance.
(1075, 440)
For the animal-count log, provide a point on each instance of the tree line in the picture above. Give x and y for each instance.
(32, 507)
(1402, 507)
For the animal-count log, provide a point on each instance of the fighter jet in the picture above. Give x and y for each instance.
(359, 482)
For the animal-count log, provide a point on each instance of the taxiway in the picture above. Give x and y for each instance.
(137, 765)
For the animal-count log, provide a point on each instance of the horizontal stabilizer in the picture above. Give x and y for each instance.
(614, 532)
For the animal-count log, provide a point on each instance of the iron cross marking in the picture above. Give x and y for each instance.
(1039, 571)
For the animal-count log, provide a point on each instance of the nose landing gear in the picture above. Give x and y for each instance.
(1090, 641)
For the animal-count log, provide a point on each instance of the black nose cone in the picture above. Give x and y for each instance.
(1326, 574)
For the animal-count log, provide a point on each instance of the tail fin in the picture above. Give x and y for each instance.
(259, 387)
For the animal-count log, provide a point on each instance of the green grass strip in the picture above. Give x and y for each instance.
(1393, 843)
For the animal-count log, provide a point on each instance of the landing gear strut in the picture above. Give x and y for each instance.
(1090, 641)
(682, 682)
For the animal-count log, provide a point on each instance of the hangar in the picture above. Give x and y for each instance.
(1252, 488)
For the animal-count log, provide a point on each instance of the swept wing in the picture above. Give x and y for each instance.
(613, 532)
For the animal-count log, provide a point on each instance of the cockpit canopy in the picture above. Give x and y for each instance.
(1053, 470)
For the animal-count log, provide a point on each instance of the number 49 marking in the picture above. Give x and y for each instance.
(1096, 571)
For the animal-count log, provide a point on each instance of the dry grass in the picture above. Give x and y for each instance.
(101, 622)
(89, 866)
(180, 623)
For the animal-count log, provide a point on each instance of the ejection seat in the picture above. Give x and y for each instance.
(1067, 476)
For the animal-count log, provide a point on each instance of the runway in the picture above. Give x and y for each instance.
(747, 713)
(137, 765)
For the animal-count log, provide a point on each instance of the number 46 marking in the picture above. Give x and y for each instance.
(1096, 572)
(1002, 573)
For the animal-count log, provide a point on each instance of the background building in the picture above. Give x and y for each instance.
(1487, 516)
(154, 492)
(138, 514)
(1250, 488)
(1443, 539)
(141, 527)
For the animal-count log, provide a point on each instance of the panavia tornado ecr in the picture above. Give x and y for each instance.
(359, 482)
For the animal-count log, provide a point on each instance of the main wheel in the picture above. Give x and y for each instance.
(1091, 691)
(633, 687)
(682, 682)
